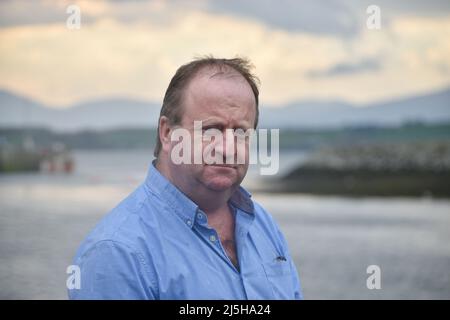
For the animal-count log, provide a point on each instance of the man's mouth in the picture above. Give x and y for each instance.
(231, 166)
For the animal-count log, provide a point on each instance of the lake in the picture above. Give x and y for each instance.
(44, 217)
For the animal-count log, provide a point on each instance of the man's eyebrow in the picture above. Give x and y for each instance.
(212, 120)
(217, 121)
(244, 125)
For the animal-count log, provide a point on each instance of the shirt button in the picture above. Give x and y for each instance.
(212, 238)
(189, 222)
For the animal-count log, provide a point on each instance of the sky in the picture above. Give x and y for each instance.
(301, 50)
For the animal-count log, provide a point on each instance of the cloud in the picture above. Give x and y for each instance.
(114, 55)
(327, 17)
(430, 8)
(347, 68)
(320, 17)
(40, 12)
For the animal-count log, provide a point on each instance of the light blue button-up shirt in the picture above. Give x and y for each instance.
(157, 244)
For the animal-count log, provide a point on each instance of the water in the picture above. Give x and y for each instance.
(333, 240)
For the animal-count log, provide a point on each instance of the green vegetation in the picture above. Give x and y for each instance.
(294, 139)
(409, 132)
(19, 161)
(83, 140)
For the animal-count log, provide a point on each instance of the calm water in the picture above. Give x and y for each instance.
(43, 218)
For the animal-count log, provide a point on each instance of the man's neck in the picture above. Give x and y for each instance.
(212, 202)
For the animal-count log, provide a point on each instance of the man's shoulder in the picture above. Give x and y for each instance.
(126, 224)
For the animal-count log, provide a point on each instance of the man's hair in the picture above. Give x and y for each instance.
(172, 103)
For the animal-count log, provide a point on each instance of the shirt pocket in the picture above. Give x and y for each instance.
(278, 273)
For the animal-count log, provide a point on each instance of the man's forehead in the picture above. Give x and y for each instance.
(215, 72)
(212, 77)
(202, 91)
(209, 89)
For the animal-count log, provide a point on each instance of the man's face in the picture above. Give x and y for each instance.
(221, 101)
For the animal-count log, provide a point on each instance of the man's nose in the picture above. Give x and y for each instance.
(228, 146)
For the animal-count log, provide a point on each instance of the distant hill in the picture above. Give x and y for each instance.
(102, 114)
(430, 108)
(17, 111)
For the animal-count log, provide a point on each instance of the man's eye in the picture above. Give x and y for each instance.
(240, 132)
(212, 127)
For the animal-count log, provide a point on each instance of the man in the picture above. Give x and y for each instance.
(190, 231)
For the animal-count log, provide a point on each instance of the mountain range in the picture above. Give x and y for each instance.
(20, 111)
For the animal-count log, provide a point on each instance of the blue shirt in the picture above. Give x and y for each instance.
(156, 244)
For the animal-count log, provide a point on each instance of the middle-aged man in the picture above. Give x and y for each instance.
(190, 231)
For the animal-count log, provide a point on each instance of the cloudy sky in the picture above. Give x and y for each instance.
(301, 49)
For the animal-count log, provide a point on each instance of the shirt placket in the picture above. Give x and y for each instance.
(243, 222)
(210, 236)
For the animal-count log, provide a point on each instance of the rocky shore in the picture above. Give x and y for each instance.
(388, 169)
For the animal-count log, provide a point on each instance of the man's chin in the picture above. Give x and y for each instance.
(220, 185)
(220, 178)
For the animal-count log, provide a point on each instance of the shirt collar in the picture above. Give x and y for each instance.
(181, 204)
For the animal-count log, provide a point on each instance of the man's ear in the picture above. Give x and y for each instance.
(164, 133)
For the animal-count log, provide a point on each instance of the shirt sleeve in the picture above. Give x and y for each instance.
(111, 270)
